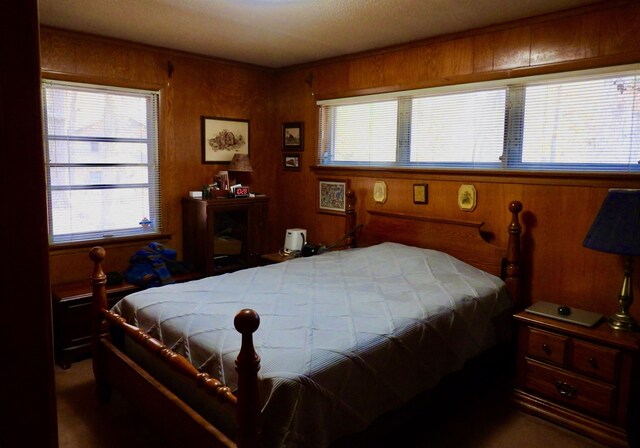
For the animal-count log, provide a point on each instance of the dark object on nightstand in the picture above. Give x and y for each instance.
(309, 250)
(583, 378)
(564, 310)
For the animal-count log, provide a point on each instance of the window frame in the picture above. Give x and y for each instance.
(512, 150)
(152, 143)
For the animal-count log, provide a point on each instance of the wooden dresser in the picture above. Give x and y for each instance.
(242, 220)
(585, 379)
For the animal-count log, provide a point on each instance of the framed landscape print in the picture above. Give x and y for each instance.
(293, 136)
(332, 196)
(222, 138)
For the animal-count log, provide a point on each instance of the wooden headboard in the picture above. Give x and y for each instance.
(461, 239)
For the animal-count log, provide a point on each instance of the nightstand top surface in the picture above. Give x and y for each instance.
(600, 332)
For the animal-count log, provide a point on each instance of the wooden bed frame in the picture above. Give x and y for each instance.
(184, 426)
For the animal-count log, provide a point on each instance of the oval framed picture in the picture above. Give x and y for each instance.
(380, 192)
(467, 198)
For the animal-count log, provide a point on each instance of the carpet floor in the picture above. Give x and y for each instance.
(485, 420)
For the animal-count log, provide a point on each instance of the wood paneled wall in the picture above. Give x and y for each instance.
(558, 208)
(196, 86)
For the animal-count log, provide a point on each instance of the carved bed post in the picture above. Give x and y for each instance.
(99, 302)
(247, 365)
(512, 278)
(350, 219)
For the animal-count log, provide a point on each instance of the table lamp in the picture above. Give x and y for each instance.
(240, 166)
(616, 230)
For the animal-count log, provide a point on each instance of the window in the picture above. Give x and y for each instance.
(366, 132)
(101, 157)
(576, 122)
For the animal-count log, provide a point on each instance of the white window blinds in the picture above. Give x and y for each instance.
(458, 128)
(101, 151)
(587, 121)
(362, 132)
(591, 125)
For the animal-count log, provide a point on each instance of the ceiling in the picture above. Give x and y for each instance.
(278, 33)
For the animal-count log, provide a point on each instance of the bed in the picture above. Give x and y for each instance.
(342, 337)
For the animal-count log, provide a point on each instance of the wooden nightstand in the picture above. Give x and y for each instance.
(275, 257)
(582, 378)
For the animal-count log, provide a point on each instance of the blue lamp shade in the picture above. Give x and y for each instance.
(616, 228)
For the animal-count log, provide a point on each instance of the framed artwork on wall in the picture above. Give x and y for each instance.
(222, 138)
(467, 197)
(332, 196)
(420, 193)
(380, 192)
(293, 136)
(291, 161)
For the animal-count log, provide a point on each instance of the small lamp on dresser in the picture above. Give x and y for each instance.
(616, 230)
(240, 169)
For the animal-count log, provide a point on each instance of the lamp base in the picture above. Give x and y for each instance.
(623, 322)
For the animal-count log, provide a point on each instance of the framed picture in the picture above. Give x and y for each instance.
(380, 191)
(420, 193)
(293, 136)
(332, 196)
(467, 197)
(222, 138)
(291, 161)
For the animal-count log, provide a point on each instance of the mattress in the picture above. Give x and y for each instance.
(344, 336)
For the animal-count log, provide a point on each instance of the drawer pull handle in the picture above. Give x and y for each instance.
(546, 349)
(592, 362)
(566, 390)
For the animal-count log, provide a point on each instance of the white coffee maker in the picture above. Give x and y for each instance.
(294, 240)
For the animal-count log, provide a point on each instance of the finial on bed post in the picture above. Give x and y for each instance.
(98, 324)
(247, 366)
(512, 279)
(350, 219)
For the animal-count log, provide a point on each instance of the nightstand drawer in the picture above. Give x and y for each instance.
(547, 346)
(595, 360)
(570, 389)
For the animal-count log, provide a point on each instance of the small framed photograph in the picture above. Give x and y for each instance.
(332, 196)
(222, 138)
(420, 193)
(291, 161)
(293, 136)
(467, 198)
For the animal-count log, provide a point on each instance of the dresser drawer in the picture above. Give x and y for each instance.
(601, 362)
(577, 391)
(547, 346)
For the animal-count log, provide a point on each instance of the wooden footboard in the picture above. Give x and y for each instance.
(112, 367)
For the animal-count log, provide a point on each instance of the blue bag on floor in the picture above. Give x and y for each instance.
(149, 266)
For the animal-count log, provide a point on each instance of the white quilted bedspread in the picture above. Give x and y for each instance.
(344, 336)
